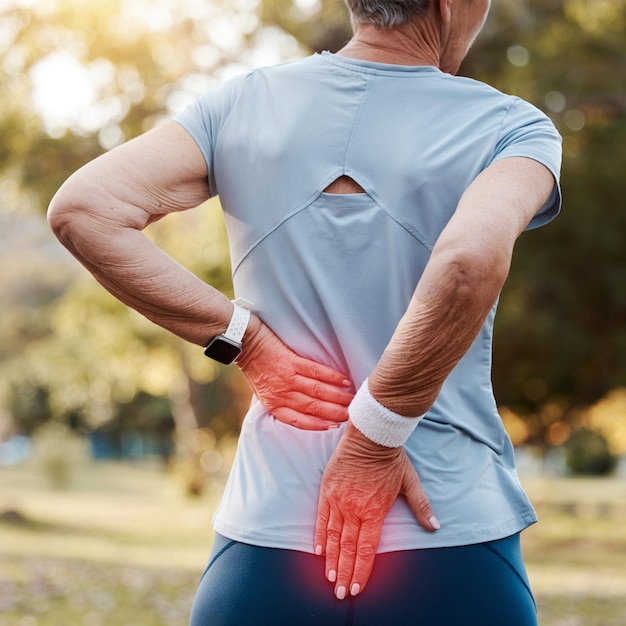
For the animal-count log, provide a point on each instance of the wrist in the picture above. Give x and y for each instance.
(404, 393)
(226, 348)
(251, 338)
(377, 422)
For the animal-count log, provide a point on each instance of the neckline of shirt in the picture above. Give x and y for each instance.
(373, 67)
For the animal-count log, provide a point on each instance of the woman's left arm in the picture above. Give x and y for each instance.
(98, 215)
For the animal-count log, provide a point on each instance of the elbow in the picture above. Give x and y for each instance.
(477, 275)
(59, 217)
(72, 214)
(63, 211)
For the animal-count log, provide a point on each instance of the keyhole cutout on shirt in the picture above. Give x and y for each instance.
(344, 185)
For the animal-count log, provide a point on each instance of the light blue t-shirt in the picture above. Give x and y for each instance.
(333, 274)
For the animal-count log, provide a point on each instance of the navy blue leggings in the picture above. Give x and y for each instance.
(477, 585)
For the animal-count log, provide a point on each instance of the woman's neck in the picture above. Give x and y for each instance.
(405, 45)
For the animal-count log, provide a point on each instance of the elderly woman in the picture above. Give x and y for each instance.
(372, 200)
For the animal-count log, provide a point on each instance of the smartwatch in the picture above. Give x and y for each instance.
(226, 348)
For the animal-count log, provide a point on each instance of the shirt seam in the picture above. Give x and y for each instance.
(272, 229)
(355, 122)
(403, 224)
(220, 131)
(514, 101)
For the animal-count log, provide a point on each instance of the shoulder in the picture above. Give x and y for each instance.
(518, 117)
(256, 78)
(480, 93)
(514, 105)
(291, 72)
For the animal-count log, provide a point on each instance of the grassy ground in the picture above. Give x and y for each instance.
(576, 555)
(122, 545)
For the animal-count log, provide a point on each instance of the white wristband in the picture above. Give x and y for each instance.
(377, 422)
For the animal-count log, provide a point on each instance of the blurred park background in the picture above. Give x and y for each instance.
(115, 437)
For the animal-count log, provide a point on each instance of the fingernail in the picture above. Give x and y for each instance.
(355, 590)
(341, 592)
(318, 550)
(434, 523)
(333, 426)
(332, 576)
(347, 382)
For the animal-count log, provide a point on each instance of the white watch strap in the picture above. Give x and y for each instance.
(238, 323)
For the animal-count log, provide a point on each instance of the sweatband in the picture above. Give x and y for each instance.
(377, 422)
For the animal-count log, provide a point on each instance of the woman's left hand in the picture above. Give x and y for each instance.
(361, 482)
(295, 390)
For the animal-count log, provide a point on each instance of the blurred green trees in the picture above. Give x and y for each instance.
(561, 335)
(588, 452)
(68, 351)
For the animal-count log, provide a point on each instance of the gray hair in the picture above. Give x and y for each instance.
(385, 13)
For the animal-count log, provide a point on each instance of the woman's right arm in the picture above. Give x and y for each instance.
(460, 284)
(458, 288)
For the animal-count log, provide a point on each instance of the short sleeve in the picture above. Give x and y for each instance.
(205, 118)
(527, 132)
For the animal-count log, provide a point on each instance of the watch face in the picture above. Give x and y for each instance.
(223, 350)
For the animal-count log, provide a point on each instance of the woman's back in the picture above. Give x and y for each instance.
(332, 274)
